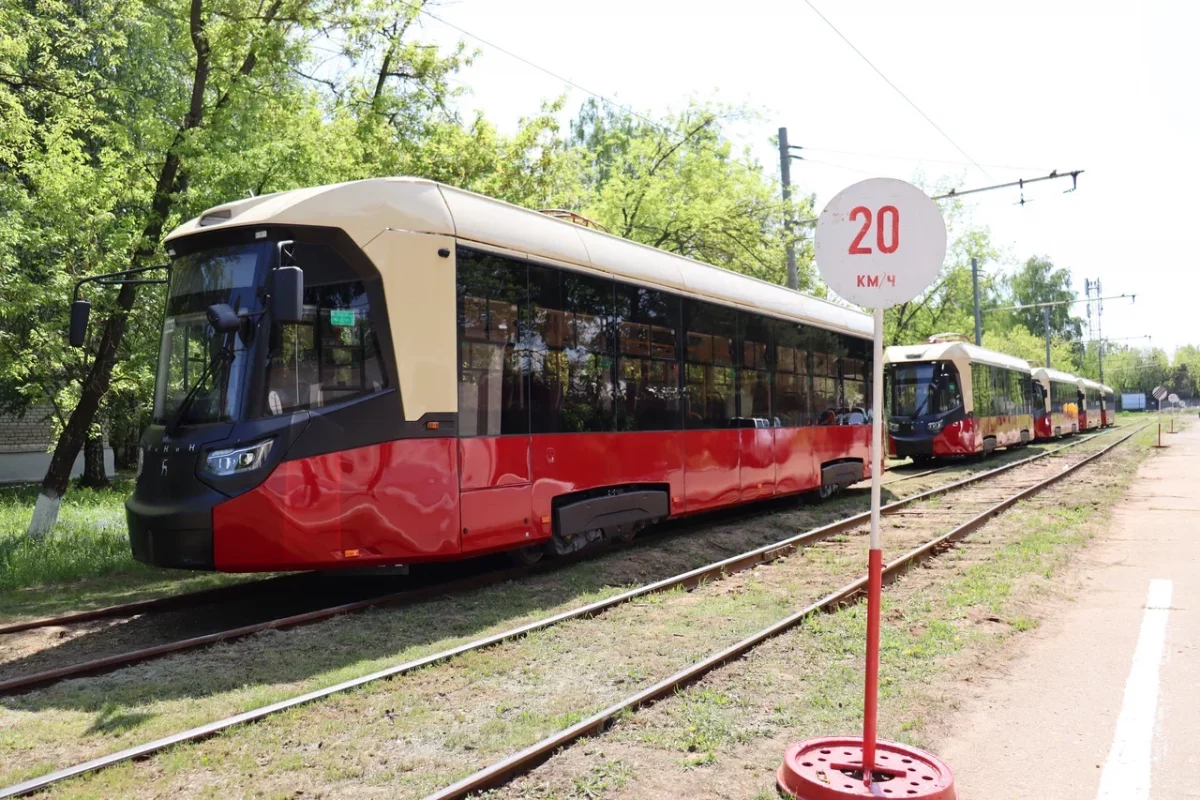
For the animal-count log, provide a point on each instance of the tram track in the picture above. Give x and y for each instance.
(107, 663)
(503, 771)
(692, 578)
(137, 607)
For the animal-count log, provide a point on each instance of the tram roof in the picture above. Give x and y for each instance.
(365, 208)
(1091, 384)
(1055, 375)
(950, 351)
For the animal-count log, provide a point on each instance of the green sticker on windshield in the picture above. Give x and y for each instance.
(341, 317)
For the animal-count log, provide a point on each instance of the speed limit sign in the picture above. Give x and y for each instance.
(880, 242)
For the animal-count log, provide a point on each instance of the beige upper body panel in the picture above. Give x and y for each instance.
(366, 208)
(1044, 376)
(401, 223)
(361, 208)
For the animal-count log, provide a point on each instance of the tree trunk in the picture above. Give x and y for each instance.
(58, 475)
(170, 179)
(94, 476)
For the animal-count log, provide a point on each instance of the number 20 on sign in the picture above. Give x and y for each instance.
(880, 242)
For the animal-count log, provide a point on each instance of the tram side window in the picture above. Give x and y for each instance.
(1016, 388)
(333, 354)
(790, 399)
(493, 394)
(1060, 395)
(856, 378)
(571, 351)
(1037, 394)
(754, 377)
(709, 365)
(647, 325)
(981, 385)
(827, 389)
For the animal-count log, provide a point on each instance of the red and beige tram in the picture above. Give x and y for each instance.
(394, 371)
(1056, 403)
(1108, 406)
(952, 398)
(1091, 404)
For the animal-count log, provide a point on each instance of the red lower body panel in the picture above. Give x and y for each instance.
(395, 502)
(958, 439)
(432, 499)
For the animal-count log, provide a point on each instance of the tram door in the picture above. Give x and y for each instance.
(495, 488)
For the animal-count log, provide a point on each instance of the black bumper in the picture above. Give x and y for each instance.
(180, 537)
(906, 448)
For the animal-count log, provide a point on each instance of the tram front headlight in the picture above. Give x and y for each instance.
(235, 460)
(934, 426)
(893, 426)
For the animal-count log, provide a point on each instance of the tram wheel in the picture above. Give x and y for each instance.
(526, 556)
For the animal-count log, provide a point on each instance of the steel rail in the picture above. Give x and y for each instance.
(916, 475)
(728, 566)
(140, 606)
(108, 663)
(504, 770)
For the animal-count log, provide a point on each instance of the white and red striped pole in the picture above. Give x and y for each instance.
(874, 561)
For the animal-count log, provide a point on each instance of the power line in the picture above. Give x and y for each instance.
(420, 9)
(808, 160)
(879, 72)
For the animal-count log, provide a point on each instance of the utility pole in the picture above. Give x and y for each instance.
(1046, 320)
(1091, 286)
(975, 285)
(785, 177)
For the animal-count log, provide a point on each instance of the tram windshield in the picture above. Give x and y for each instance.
(196, 365)
(922, 390)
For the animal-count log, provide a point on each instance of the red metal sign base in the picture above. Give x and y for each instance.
(830, 768)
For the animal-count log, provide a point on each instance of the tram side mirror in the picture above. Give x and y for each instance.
(287, 299)
(80, 310)
(223, 318)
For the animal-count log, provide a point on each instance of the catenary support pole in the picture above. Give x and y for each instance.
(975, 288)
(785, 177)
(1046, 320)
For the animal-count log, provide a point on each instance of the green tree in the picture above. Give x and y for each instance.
(120, 119)
(1038, 281)
(678, 186)
(1016, 341)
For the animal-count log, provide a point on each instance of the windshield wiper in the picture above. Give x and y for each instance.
(172, 427)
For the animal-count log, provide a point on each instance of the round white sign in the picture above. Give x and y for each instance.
(1174, 398)
(880, 242)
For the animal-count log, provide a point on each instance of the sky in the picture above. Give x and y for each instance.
(1021, 87)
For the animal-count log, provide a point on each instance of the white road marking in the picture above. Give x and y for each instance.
(1126, 774)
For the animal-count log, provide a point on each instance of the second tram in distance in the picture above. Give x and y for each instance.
(950, 398)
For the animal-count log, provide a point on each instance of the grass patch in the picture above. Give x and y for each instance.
(85, 562)
(90, 538)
